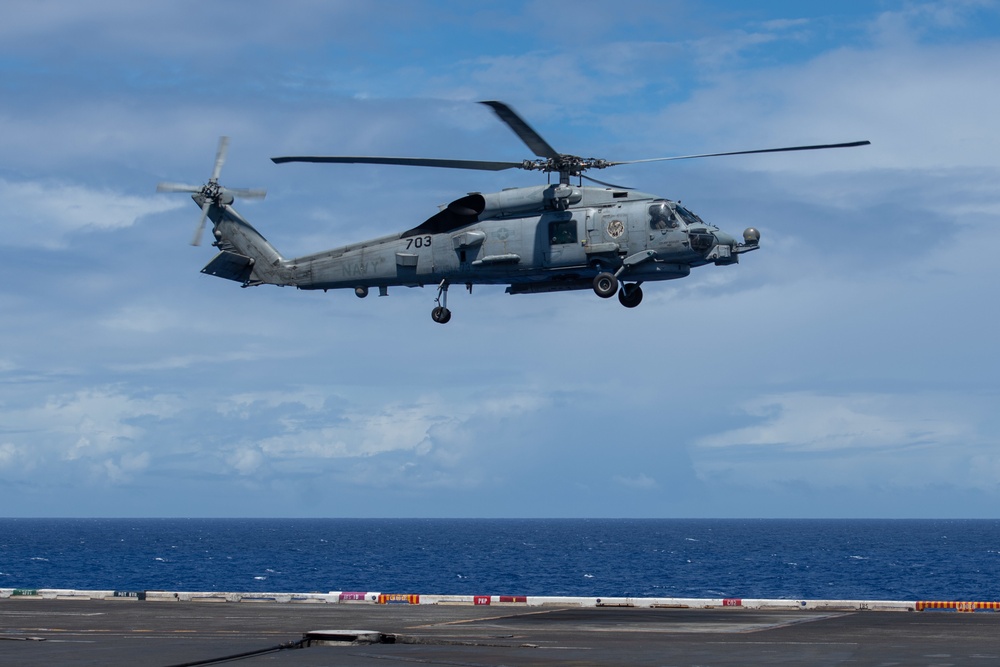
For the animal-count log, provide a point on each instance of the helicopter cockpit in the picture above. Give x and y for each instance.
(664, 215)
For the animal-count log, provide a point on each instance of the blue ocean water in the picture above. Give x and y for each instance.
(807, 559)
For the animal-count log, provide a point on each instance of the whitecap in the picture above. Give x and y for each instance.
(260, 578)
(588, 576)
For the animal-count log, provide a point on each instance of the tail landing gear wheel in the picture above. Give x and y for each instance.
(605, 285)
(630, 296)
(441, 315)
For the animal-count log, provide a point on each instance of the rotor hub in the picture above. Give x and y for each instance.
(570, 164)
(211, 193)
(212, 190)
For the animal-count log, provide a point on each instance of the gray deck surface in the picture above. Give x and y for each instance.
(161, 634)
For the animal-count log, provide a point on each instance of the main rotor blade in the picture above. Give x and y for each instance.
(533, 140)
(482, 165)
(220, 158)
(851, 144)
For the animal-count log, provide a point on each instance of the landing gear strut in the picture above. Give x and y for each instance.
(441, 314)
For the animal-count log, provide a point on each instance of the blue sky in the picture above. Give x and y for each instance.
(847, 369)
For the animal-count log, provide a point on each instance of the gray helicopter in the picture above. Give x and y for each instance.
(547, 238)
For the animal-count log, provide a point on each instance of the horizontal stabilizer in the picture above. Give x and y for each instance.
(231, 266)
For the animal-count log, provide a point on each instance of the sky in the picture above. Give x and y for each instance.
(848, 368)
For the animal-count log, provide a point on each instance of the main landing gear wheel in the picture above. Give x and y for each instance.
(605, 285)
(630, 296)
(441, 315)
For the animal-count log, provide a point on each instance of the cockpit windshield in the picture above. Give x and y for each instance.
(688, 217)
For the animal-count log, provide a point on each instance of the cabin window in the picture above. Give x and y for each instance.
(562, 231)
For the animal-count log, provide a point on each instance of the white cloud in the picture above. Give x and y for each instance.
(47, 214)
(359, 433)
(111, 26)
(123, 468)
(858, 441)
(640, 481)
(145, 319)
(811, 422)
(245, 460)
(244, 405)
(86, 424)
(926, 107)
(430, 440)
(920, 19)
(11, 455)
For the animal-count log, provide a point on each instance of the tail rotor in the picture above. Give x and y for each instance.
(211, 193)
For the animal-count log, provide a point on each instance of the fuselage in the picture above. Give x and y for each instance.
(538, 239)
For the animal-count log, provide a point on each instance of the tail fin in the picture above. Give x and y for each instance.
(245, 255)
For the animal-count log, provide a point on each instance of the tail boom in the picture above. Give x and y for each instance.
(245, 255)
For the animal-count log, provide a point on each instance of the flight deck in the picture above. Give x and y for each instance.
(173, 631)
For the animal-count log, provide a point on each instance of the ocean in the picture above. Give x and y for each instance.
(760, 558)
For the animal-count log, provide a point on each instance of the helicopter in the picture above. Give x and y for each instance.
(555, 237)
